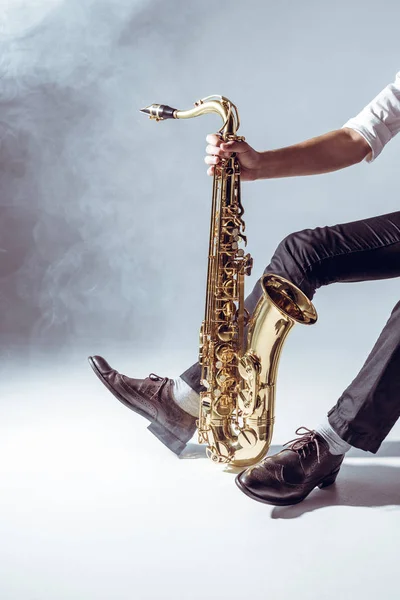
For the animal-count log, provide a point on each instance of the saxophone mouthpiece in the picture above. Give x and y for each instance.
(159, 112)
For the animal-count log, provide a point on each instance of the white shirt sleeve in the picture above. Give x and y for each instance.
(379, 121)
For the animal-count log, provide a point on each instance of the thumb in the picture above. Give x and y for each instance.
(235, 147)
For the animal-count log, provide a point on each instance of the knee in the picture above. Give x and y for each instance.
(297, 251)
(294, 258)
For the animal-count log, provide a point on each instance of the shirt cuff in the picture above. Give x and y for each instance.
(373, 130)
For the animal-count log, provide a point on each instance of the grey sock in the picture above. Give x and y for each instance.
(186, 397)
(335, 442)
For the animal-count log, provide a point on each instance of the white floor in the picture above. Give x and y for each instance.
(93, 507)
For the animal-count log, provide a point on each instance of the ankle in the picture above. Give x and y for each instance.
(185, 397)
(336, 444)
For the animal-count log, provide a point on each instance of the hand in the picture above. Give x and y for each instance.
(249, 159)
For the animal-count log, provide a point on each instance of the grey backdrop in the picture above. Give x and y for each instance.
(104, 221)
(105, 215)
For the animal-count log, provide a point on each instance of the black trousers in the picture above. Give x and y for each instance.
(363, 250)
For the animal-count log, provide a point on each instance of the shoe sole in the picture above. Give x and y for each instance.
(162, 433)
(326, 482)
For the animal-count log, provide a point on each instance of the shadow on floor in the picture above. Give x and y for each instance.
(360, 485)
(357, 485)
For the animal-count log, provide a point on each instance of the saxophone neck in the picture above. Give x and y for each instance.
(211, 104)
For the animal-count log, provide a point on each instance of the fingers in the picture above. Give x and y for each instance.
(218, 149)
(214, 152)
(214, 139)
(237, 147)
(212, 160)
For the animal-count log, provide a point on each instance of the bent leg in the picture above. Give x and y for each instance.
(363, 250)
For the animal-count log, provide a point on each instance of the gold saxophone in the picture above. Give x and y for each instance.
(239, 353)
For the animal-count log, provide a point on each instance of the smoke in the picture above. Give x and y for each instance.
(105, 215)
(70, 229)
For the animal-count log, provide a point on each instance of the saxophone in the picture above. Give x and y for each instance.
(239, 352)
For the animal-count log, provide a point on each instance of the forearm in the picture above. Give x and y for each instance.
(328, 152)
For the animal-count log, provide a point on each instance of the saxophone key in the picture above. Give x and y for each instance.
(224, 353)
(226, 332)
(223, 406)
(206, 402)
(229, 288)
(229, 309)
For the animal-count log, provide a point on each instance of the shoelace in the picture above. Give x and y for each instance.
(163, 380)
(301, 444)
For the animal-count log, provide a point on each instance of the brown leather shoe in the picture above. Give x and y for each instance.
(151, 398)
(289, 476)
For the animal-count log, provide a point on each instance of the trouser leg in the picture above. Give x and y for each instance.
(363, 250)
(370, 406)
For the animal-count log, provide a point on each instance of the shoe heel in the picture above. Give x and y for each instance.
(167, 438)
(329, 480)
